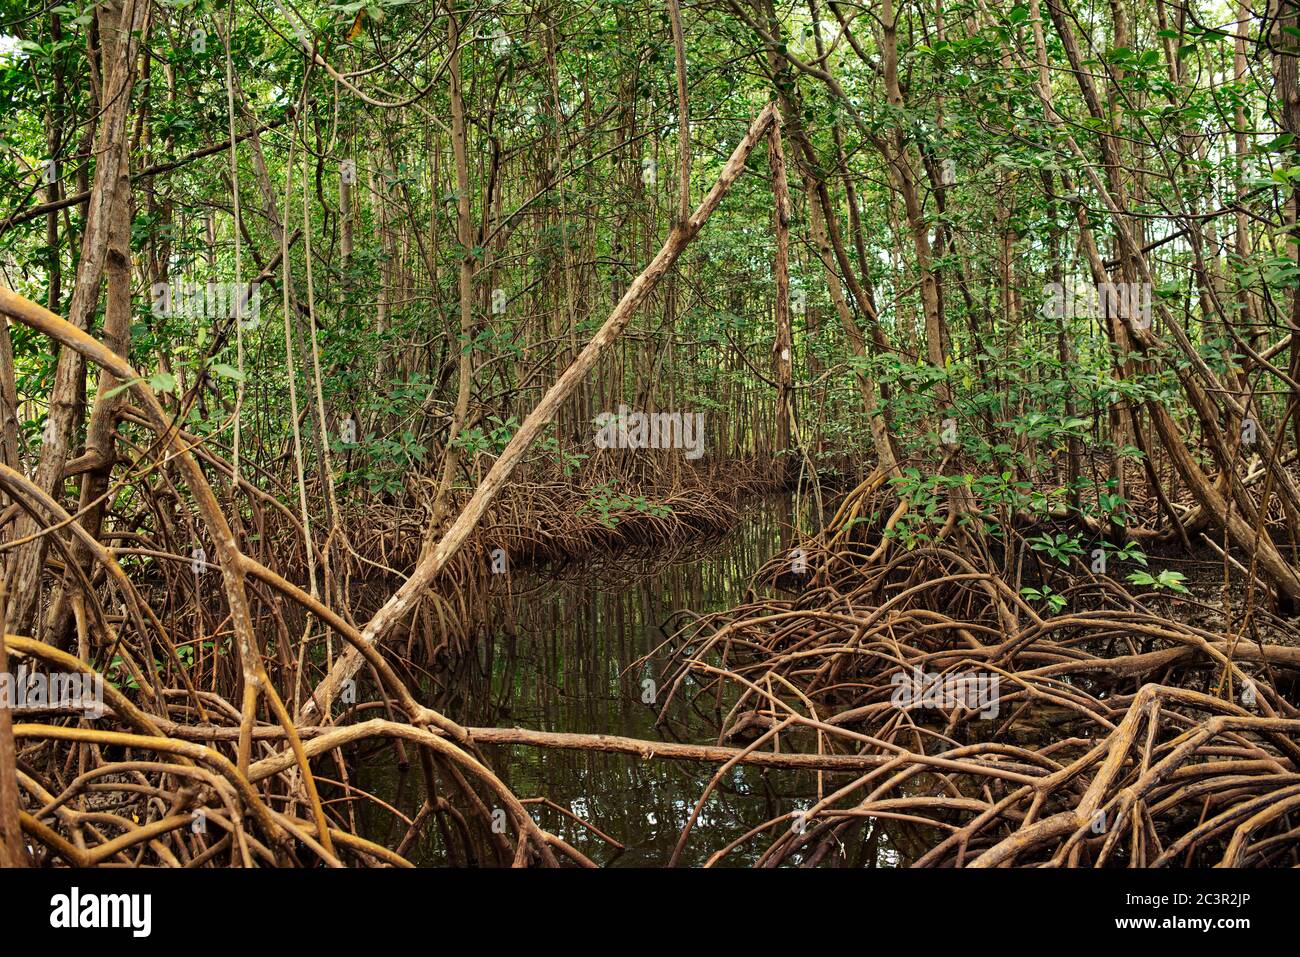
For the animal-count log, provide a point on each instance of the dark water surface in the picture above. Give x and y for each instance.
(559, 661)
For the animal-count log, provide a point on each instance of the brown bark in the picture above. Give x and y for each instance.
(903, 174)
(11, 832)
(465, 235)
(119, 22)
(783, 344)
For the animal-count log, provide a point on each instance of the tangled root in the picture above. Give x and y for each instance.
(1114, 736)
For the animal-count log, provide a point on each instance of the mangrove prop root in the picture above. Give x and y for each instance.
(1114, 736)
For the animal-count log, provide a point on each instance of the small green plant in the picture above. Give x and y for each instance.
(608, 504)
(1171, 580)
(570, 462)
(1062, 547)
(1055, 600)
(118, 675)
(1128, 552)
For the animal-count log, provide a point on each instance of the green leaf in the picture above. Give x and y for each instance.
(162, 382)
(227, 371)
(120, 388)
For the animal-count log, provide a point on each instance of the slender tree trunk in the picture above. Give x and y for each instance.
(465, 282)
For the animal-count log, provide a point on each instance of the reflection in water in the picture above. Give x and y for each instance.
(558, 660)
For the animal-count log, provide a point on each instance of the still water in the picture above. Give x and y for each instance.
(559, 659)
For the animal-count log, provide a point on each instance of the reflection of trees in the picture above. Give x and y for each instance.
(556, 657)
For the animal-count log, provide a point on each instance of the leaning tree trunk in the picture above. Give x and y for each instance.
(435, 556)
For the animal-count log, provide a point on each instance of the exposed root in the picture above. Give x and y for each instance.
(1112, 735)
